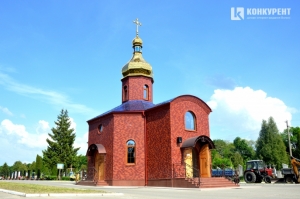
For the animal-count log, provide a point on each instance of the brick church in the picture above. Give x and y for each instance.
(139, 143)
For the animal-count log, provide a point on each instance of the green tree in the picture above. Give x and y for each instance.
(19, 167)
(38, 166)
(237, 159)
(60, 147)
(81, 163)
(220, 162)
(243, 148)
(295, 141)
(223, 153)
(5, 170)
(224, 148)
(270, 146)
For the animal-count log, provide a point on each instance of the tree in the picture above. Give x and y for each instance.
(295, 141)
(5, 170)
(81, 163)
(224, 148)
(220, 162)
(38, 166)
(18, 166)
(60, 147)
(242, 146)
(270, 147)
(222, 155)
(237, 160)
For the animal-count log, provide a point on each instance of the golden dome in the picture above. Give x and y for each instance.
(137, 66)
(137, 41)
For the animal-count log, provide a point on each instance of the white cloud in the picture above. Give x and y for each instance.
(82, 143)
(18, 133)
(6, 111)
(43, 127)
(17, 144)
(73, 124)
(240, 111)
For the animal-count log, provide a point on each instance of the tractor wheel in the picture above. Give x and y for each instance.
(267, 179)
(250, 177)
(288, 179)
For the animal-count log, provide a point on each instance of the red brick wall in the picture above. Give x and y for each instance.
(158, 143)
(105, 138)
(135, 87)
(128, 126)
(179, 107)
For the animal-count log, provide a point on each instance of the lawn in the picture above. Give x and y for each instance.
(34, 188)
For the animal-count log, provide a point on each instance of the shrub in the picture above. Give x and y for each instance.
(50, 177)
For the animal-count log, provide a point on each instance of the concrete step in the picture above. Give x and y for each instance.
(86, 183)
(216, 182)
(102, 183)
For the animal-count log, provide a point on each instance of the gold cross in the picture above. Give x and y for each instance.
(137, 26)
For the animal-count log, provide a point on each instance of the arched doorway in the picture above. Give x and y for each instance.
(96, 166)
(197, 157)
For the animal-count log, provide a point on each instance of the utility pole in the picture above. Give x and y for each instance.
(287, 125)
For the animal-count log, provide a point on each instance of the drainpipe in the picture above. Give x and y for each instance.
(145, 144)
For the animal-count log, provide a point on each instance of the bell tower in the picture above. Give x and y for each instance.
(137, 74)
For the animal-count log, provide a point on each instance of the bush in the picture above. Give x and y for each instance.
(65, 178)
(50, 177)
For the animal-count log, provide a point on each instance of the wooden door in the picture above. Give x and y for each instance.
(204, 157)
(99, 166)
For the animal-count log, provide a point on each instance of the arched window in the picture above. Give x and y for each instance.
(125, 92)
(146, 92)
(100, 129)
(190, 121)
(130, 147)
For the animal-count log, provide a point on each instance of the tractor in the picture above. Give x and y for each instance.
(256, 172)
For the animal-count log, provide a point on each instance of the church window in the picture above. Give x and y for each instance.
(190, 121)
(146, 92)
(130, 147)
(125, 93)
(100, 128)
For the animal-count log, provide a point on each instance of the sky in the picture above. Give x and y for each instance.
(69, 54)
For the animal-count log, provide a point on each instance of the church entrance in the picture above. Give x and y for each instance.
(204, 157)
(97, 155)
(99, 166)
(196, 156)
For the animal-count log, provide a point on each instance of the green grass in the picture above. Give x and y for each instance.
(34, 188)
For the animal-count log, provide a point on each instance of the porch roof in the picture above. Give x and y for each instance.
(191, 142)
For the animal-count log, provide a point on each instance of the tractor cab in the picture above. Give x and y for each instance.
(256, 172)
(255, 165)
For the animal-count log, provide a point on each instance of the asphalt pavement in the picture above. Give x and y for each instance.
(245, 191)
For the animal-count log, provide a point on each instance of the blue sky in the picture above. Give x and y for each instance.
(69, 54)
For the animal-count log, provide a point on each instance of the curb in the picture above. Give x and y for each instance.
(59, 194)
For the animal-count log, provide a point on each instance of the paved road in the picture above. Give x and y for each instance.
(245, 191)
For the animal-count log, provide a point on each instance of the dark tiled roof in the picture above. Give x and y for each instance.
(132, 105)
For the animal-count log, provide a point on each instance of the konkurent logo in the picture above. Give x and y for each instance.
(238, 13)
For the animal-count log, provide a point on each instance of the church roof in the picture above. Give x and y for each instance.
(131, 105)
(141, 105)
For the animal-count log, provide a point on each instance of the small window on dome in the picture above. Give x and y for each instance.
(125, 93)
(146, 92)
(137, 49)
